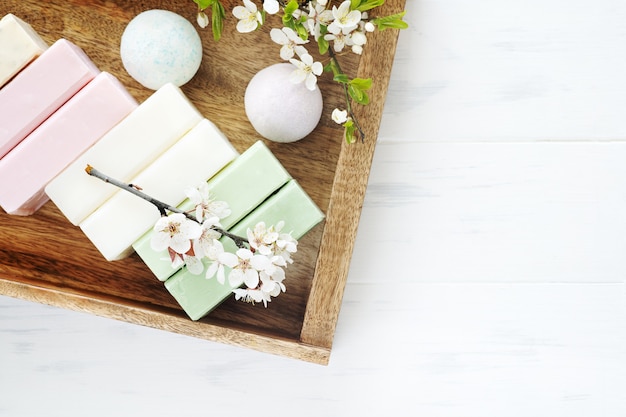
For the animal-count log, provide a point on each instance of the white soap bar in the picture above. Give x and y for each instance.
(19, 45)
(124, 218)
(123, 152)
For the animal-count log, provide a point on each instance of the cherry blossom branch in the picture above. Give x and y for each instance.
(163, 208)
(333, 57)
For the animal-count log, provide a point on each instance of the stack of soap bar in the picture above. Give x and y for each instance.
(19, 45)
(123, 152)
(85, 118)
(124, 218)
(243, 184)
(197, 295)
(40, 89)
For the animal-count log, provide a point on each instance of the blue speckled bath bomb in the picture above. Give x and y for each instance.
(160, 47)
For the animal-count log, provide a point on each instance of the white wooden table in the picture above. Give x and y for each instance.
(488, 277)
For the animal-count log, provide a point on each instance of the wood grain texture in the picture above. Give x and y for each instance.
(44, 259)
(349, 187)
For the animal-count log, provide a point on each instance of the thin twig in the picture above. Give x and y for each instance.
(163, 208)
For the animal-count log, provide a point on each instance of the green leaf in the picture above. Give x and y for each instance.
(362, 83)
(203, 4)
(366, 5)
(288, 22)
(354, 4)
(332, 67)
(393, 21)
(348, 132)
(217, 20)
(358, 95)
(288, 19)
(355, 93)
(291, 7)
(323, 45)
(365, 98)
(302, 32)
(341, 78)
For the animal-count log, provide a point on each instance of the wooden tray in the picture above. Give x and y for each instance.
(43, 258)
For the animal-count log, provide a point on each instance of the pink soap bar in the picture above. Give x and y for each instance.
(40, 89)
(79, 123)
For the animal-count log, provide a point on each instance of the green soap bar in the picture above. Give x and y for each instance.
(198, 295)
(291, 205)
(243, 184)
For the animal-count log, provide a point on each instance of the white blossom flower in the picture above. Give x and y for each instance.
(274, 267)
(249, 17)
(273, 284)
(289, 40)
(339, 39)
(206, 207)
(251, 295)
(356, 41)
(297, 14)
(345, 19)
(220, 259)
(176, 259)
(286, 245)
(285, 242)
(370, 27)
(203, 245)
(175, 231)
(202, 19)
(271, 6)
(269, 286)
(339, 116)
(318, 15)
(194, 264)
(261, 238)
(306, 71)
(247, 269)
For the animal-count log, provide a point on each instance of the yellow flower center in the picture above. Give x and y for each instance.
(173, 228)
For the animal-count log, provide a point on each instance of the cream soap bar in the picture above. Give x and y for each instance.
(243, 184)
(124, 218)
(40, 89)
(198, 296)
(123, 152)
(19, 45)
(85, 118)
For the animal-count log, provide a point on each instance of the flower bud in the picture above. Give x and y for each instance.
(203, 19)
(339, 116)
